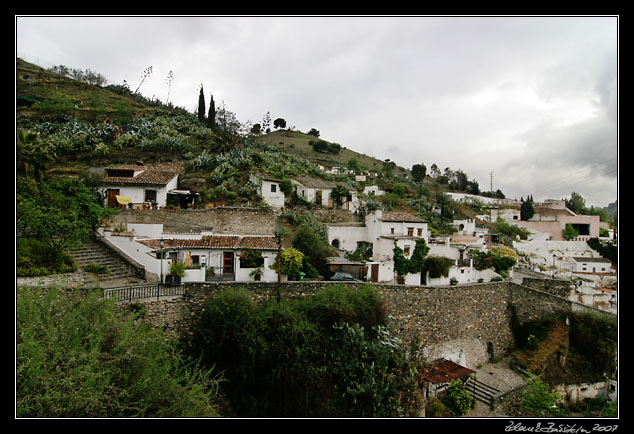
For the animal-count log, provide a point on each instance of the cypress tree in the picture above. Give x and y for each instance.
(211, 117)
(201, 105)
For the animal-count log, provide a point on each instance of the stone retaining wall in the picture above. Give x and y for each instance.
(468, 322)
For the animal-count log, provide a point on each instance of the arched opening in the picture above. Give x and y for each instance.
(335, 243)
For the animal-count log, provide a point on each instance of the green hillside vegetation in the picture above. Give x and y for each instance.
(69, 127)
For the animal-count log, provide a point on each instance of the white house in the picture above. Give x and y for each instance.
(137, 186)
(592, 265)
(268, 187)
(207, 256)
(319, 191)
(381, 231)
(373, 190)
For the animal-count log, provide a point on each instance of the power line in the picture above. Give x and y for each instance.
(587, 174)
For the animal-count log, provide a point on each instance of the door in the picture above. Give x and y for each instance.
(227, 263)
(112, 198)
(375, 273)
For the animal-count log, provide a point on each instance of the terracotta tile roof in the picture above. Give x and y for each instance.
(441, 371)
(257, 242)
(309, 181)
(216, 242)
(148, 177)
(396, 216)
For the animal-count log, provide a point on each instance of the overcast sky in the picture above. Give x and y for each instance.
(532, 100)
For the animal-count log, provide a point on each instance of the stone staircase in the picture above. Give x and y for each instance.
(94, 252)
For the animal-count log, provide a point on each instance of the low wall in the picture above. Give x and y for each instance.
(467, 323)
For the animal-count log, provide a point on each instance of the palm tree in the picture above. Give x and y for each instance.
(32, 155)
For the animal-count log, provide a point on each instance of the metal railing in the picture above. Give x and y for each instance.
(129, 293)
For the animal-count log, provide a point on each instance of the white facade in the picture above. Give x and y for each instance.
(205, 261)
(383, 230)
(269, 188)
(137, 186)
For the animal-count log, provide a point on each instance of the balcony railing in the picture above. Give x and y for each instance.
(129, 293)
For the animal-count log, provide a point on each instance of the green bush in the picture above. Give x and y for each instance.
(456, 399)
(77, 355)
(307, 356)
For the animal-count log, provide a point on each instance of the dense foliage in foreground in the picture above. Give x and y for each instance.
(327, 355)
(77, 355)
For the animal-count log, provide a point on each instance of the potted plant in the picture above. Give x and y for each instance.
(257, 273)
(177, 271)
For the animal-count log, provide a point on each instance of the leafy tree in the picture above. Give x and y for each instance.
(256, 129)
(313, 132)
(438, 266)
(60, 211)
(339, 193)
(401, 264)
(33, 154)
(576, 203)
(537, 400)
(419, 171)
(279, 123)
(570, 233)
(353, 164)
(418, 259)
(457, 400)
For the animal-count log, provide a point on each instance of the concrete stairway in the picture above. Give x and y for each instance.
(93, 252)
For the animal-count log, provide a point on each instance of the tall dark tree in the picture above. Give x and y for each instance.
(527, 211)
(211, 116)
(418, 173)
(201, 105)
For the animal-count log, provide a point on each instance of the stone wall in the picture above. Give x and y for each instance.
(220, 220)
(467, 323)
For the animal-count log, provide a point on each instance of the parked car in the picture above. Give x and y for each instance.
(341, 276)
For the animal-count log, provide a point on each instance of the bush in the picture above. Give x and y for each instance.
(306, 357)
(456, 399)
(77, 355)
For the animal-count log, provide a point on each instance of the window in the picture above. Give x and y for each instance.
(420, 232)
(273, 188)
(406, 250)
(150, 195)
(410, 232)
(392, 231)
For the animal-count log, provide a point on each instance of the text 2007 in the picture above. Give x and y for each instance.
(606, 428)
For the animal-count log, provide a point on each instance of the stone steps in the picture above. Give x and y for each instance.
(93, 252)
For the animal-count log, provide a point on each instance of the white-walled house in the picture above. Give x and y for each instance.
(382, 230)
(319, 191)
(137, 186)
(207, 256)
(268, 187)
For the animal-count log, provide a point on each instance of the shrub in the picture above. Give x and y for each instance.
(77, 355)
(456, 399)
(308, 356)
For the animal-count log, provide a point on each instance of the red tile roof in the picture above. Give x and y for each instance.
(217, 242)
(395, 216)
(441, 371)
(148, 177)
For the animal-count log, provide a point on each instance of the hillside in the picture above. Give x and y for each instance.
(42, 93)
(72, 127)
(296, 142)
